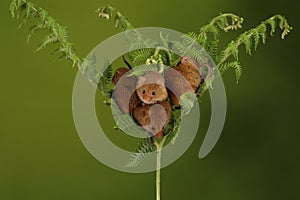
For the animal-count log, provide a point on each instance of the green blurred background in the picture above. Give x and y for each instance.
(257, 156)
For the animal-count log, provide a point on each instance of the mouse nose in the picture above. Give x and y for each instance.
(147, 98)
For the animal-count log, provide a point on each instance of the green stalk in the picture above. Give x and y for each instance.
(158, 165)
(159, 145)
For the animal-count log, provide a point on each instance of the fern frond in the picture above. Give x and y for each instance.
(105, 84)
(212, 49)
(49, 39)
(173, 127)
(251, 39)
(109, 12)
(234, 65)
(208, 36)
(88, 68)
(225, 22)
(141, 69)
(139, 57)
(187, 47)
(138, 54)
(57, 33)
(146, 146)
(187, 101)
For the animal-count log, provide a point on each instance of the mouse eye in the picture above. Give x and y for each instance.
(143, 91)
(153, 92)
(153, 128)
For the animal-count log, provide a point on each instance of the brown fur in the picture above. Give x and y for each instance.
(185, 79)
(153, 117)
(190, 69)
(151, 88)
(118, 74)
(147, 94)
(124, 93)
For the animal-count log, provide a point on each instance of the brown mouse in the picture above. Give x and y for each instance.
(153, 117)
(183, 78)
(151, 88)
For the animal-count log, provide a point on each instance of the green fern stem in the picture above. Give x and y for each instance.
(159, 145)
(158, 165)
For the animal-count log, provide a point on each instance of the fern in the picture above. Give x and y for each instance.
(139, 57)
(225, 22)
(155, 59)
(101, 80)
(146, 146)
(229, 56)
(187, 101)
(235, 65)
(57, 34)
(208, 36)
(144, 58)
(109, 12)
(173, 127)
(140, 70)
(88, 68)
(105, 83)
(251, 39)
